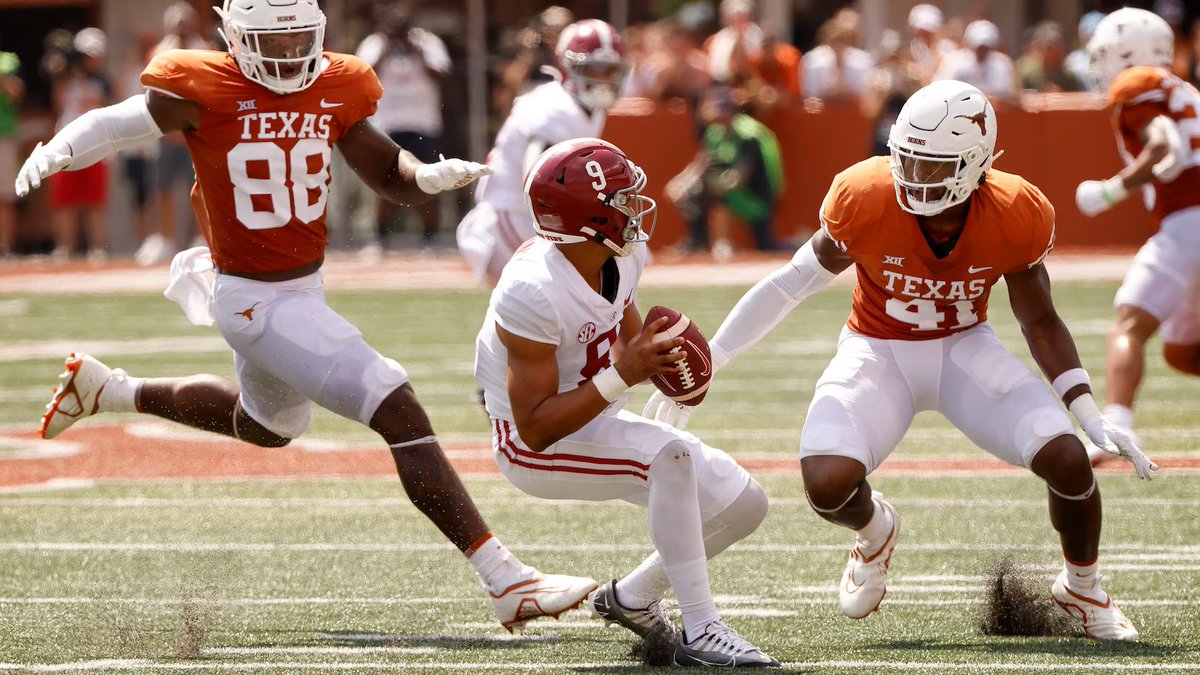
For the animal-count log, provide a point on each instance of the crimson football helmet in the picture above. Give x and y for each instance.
(592, 56)
(586, 189)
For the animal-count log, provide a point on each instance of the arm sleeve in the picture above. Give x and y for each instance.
(100, 133)
(521, 309)
(765, 305)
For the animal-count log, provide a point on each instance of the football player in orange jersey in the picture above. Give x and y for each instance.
(1156, 117)
(260, 123)
(929, 233)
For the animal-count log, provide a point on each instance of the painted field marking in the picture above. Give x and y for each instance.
(1189, 552)
(58, 349)
(514, 501)
(315, 651)
(866, 666)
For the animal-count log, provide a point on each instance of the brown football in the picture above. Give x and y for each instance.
(689, 386)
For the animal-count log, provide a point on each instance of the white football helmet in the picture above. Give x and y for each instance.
(942, 145)
(1129, 37)
(276, 43)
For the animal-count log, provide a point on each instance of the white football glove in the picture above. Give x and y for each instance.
(1115, 440)
(662, 409)
(449, 174)
(1097, 196)
(43, 162)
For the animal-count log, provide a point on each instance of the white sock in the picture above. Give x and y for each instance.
(1119, 415)
(649, 583)
(675, 527)
(873, 535)
(1084, 579)
(645, 585)
(120, 392)
(496, 565)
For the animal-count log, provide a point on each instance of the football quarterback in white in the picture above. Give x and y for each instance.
(561, 344)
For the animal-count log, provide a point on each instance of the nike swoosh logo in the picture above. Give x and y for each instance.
(852, 585)
(330, 105)
(976, 270)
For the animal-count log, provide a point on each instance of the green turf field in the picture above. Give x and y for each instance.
(345, 575)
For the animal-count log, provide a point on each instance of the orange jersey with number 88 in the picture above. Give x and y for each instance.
(262, 159)
(905, 292)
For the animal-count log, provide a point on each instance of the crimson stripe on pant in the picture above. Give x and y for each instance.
(514, 454)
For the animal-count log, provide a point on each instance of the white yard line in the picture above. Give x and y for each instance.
(315, 651)
(575, 666)
(1131, 552)
(47, 349)
(514, 501)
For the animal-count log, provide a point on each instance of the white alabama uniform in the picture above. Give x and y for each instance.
(542, 297)
(500, 221)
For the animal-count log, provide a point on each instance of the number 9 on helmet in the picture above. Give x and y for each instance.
(586, 189)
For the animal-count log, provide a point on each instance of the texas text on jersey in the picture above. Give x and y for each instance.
(904, 291)
(262, 159)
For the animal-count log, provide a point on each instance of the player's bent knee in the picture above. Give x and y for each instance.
(830, 481)
(1063, 464)
(751, 507)
(1184, 358)
(675, 459)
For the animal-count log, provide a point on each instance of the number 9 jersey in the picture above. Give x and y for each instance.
(906, 292)
(262, 159)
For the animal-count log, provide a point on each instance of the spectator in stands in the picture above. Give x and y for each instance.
(775, 75)
(895, 78)
(981, 63)
(12, 90)
(1043, 65)
(927, 47)
(410, 63)
(173, 171)
(731, 48)
(837, 69)
(737, 173)
(679, 70)
(534, 61)
(1078, 63)
(84, 193)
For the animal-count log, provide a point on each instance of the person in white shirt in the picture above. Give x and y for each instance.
(928, 47)
(592, 55)
(837, 69)
(410, 63)
(981, 63)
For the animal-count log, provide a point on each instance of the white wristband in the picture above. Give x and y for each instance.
(1084, 408)
(610, 384)
(1113, 190)
(1069, 380)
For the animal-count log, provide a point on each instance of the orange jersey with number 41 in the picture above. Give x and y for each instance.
(1142, 93)
(904, 291)
(262, 159)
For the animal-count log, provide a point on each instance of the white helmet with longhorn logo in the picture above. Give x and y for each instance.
(942, 145)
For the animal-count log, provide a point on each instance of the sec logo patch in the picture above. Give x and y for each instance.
(587, 332)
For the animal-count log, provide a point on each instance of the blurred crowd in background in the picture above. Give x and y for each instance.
(711, 57)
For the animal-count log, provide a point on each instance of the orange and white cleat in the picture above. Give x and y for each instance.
(77, 395)
(864, 581)
(1101, 619)
(544, 595)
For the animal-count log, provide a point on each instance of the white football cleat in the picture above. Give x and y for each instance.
(864, 581)
(1101, 620)
(77, 395)
(543, 595)
(719, 646)
(644, 622)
